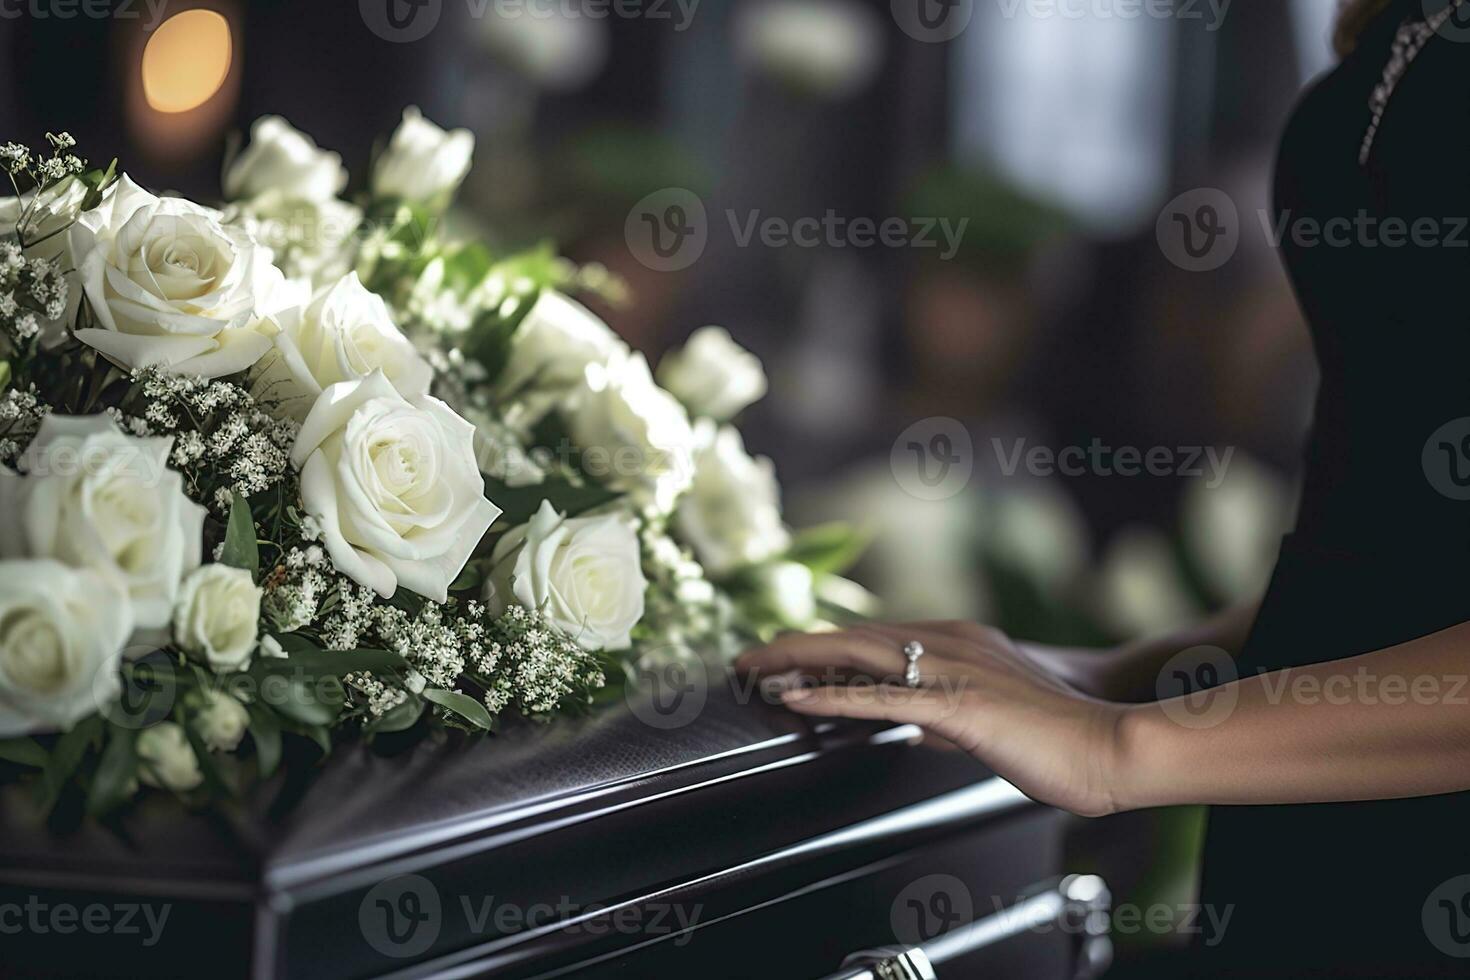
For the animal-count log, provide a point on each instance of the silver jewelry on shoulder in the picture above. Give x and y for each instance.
(1411, 38)
(912, 651)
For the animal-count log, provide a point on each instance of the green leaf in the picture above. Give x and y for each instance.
(310, 701)
(845, 598)
(266, 731)
(472, 576)
(117, 772)
(240, 550)
(4, 374)
(23, 751)
(97, 182)
(214, 780)
(833, 547)
(461, 704)
(66, 756)
(400, 717)
(320, 734)
(304, 657)
(519, 503)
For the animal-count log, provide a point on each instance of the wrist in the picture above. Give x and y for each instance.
(1141, 745)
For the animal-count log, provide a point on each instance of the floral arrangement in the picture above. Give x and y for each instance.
(305, 467)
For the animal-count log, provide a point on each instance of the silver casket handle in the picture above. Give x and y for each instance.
(1081, 904)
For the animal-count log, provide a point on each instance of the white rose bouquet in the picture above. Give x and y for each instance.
(299, 466)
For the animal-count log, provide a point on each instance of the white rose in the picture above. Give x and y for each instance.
(583, 574)
(284, 159)
(311, 240)
(393, 484)
(217, 616)
(168, 760)
(553, 346)
(95, 498)
(422, 161)
(634, 436)
(346, 333)
(712, 375)
(62, 632)
(170, 286)
(731, 516)
(222, 722)
(45, 231)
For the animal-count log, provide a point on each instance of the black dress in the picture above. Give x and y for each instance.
(1381, 551)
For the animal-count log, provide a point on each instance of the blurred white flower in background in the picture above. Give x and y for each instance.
(95, 498)
(168, 760)
(422, 162)
(923, 558)
(281, 159)
(785, 591)
(831, 48)
(713, 375)
(62, 632)
(549, 47)
(731, 516)
(1233, 530)
(634, 436)
(1039, 531)
(1139, 589)
(222, 721)
(550, 353)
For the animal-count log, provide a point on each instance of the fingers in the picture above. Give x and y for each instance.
(848, 655)
(927, 708)
(848, 650)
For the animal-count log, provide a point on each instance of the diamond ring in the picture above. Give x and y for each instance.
(912, 651)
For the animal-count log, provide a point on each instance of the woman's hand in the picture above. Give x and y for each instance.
(977, 689)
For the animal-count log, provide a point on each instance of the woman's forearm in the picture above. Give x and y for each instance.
(1392, 723)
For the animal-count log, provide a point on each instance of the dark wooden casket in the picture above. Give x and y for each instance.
(646, 840)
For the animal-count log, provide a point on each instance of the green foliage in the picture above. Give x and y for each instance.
(241, 550)
(520, 503)
(828, 548)
(462, 705)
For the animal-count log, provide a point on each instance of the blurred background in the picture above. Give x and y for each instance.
(1027, 150)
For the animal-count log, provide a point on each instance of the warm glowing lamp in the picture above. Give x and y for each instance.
(186, 60)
